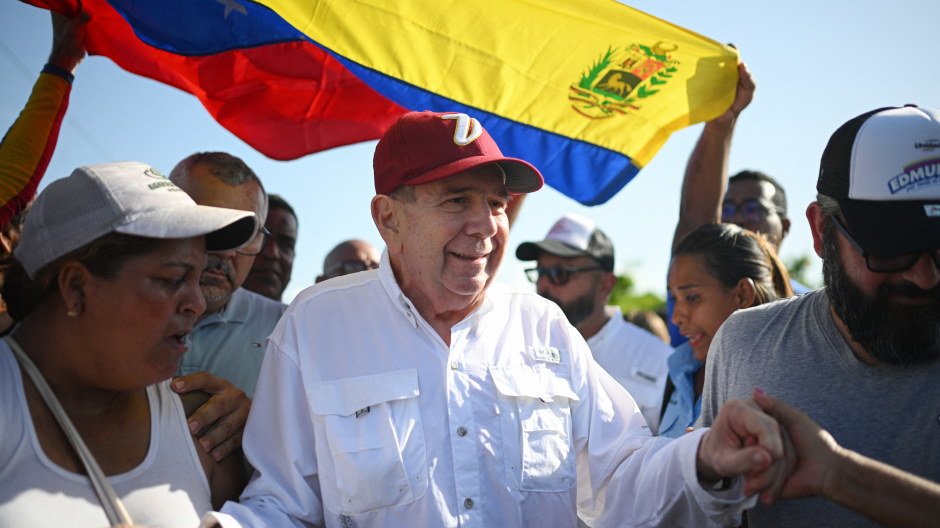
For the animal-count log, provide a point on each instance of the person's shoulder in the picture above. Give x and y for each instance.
(772, 314)
(522, 299)
(362, 286)
(798, 288)
(644, 339)
(259, 304)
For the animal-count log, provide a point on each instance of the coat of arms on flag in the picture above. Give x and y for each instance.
(620, 79)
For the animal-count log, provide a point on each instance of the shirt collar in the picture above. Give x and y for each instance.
(616, 319)
(406, 307)
(682, 365)
(234, 311)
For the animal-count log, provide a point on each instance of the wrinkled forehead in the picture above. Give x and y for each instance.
(478, 180)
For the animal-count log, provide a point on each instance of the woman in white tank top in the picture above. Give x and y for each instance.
(105, 287)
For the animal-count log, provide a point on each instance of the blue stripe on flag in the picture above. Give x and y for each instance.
(585, 172)
(588, 173)
(205, 27)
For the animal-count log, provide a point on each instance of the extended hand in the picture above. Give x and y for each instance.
(742, 441)
(219, 423)
(816, 450)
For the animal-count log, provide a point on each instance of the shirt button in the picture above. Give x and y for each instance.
(461, 431)
(453, 365)
(468, 503)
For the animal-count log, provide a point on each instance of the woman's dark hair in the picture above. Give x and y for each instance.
(104, 257)
(731, 253)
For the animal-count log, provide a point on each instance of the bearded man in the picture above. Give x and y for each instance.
(860, 356)
(575, 270)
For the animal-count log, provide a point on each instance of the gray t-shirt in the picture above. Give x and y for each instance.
(792, 349)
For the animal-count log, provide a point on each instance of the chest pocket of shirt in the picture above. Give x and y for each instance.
(535, 418)
(373, 430)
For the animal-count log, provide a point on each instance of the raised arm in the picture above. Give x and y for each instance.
(28, 145)
(706, 175)
(882, 493)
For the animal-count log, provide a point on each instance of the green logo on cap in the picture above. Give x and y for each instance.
(154, 173)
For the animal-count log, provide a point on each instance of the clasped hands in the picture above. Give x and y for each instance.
(779, 450)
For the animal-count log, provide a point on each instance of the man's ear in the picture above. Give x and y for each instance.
(817, 223)
(608, 281)
(386, 213)
(785, 222)
(74, 281)
(745, 292)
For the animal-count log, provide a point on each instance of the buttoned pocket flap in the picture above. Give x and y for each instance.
(348, 396)
(532, 383)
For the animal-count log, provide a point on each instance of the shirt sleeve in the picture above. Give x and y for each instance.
(628, 478)
(279, 443)
(28, 145)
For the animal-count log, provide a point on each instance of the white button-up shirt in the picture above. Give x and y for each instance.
(363, 416)
(636, 359)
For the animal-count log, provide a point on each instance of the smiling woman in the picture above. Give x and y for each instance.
(716, 270)
(105, 287)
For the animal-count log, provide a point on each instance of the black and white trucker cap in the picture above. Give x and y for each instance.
(884, 169)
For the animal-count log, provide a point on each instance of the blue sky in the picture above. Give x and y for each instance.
(817, 65)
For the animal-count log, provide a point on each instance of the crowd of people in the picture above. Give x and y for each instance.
(152, 376)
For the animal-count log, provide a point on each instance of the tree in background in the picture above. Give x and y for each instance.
(798, 267)
(624, 296)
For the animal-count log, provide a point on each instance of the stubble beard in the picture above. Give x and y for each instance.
(215, 289)
(578, 310)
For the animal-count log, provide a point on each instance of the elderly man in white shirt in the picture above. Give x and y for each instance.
(422, 394)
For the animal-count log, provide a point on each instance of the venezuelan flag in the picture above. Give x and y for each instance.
(258, 77)
(587, 91)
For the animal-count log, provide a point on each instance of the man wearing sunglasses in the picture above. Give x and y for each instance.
(862, 355)
(351, 256)
(575, 270)
(228, 339)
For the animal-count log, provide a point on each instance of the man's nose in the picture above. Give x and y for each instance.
(271, 250)
(924, 273)
(543, 284)
(482, 221)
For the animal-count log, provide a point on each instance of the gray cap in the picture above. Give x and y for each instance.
(123, 197)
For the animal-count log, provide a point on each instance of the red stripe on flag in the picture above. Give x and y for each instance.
(285, 100)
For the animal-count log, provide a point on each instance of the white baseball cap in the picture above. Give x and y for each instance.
(124, 197)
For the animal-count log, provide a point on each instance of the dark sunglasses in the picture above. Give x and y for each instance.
(256, 246)
(350, 266)
(880, 264)
(751, 211)
(557, 275)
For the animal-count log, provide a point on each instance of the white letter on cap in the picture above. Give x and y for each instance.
(468, 128)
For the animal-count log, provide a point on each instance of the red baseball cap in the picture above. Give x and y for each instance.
(422, 147)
